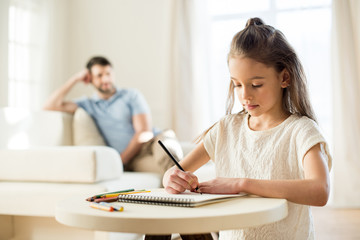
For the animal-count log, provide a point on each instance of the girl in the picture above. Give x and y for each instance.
(273, 148)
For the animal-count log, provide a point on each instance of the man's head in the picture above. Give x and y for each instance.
(101, 73)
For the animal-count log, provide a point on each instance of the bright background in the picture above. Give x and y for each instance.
(47, 41)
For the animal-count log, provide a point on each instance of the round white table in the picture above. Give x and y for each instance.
(247, 211)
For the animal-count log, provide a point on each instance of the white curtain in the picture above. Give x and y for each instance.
(188, 74)
(346, 84)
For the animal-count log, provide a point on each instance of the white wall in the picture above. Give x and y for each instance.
(57, 48)
(135, 36)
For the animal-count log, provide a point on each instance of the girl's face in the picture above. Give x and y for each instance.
(258, 87)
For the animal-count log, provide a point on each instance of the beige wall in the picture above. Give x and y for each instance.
(134, 35)
(57, 54)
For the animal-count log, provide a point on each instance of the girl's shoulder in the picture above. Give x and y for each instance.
(302, 120)
(234, 118)
(303, 123)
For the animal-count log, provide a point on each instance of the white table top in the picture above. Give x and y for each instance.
(248, 211)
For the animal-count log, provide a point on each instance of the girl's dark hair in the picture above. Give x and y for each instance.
(97, 60)
(265, 44)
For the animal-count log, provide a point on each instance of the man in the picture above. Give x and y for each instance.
(121, 115)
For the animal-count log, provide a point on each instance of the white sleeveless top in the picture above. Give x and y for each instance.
(276, 153)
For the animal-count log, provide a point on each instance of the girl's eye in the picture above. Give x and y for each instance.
(257, 86)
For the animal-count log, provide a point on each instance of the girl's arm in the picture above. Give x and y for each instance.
(313, 190)
(177, 181)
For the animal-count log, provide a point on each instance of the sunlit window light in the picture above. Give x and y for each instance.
(23, 45)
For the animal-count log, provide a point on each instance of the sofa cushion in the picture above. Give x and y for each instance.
(85, 131)
(82, 164)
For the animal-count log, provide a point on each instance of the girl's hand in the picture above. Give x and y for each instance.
(221, 186)
(176, 181)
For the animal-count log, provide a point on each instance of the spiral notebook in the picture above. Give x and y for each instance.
(186, 199)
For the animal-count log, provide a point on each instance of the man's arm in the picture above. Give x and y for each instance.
(56, 100)
(143, 133)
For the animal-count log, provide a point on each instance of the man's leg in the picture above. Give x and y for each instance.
(152, 158)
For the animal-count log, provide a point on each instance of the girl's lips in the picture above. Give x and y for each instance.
(251, 107)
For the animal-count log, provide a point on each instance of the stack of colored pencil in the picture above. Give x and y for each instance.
(112, 196)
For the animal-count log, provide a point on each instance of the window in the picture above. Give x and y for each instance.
(306, 24)
(26, 42)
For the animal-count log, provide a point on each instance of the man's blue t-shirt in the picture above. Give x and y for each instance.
(113, 116)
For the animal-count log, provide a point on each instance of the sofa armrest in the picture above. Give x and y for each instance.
(23, 128)
(82, 164)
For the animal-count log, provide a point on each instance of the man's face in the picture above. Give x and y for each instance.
(102, 78)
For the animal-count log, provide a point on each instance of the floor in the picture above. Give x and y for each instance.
(331, 224)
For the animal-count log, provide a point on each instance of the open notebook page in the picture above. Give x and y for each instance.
(186, 199)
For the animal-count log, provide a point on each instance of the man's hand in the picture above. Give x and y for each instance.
(82, 76)
(56, 101)
(143, 132)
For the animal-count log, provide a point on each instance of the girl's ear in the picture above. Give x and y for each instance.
(285, 78)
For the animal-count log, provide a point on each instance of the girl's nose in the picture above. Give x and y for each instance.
(246, 93)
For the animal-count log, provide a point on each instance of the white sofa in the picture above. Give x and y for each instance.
(39, 166)
(42, 162)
